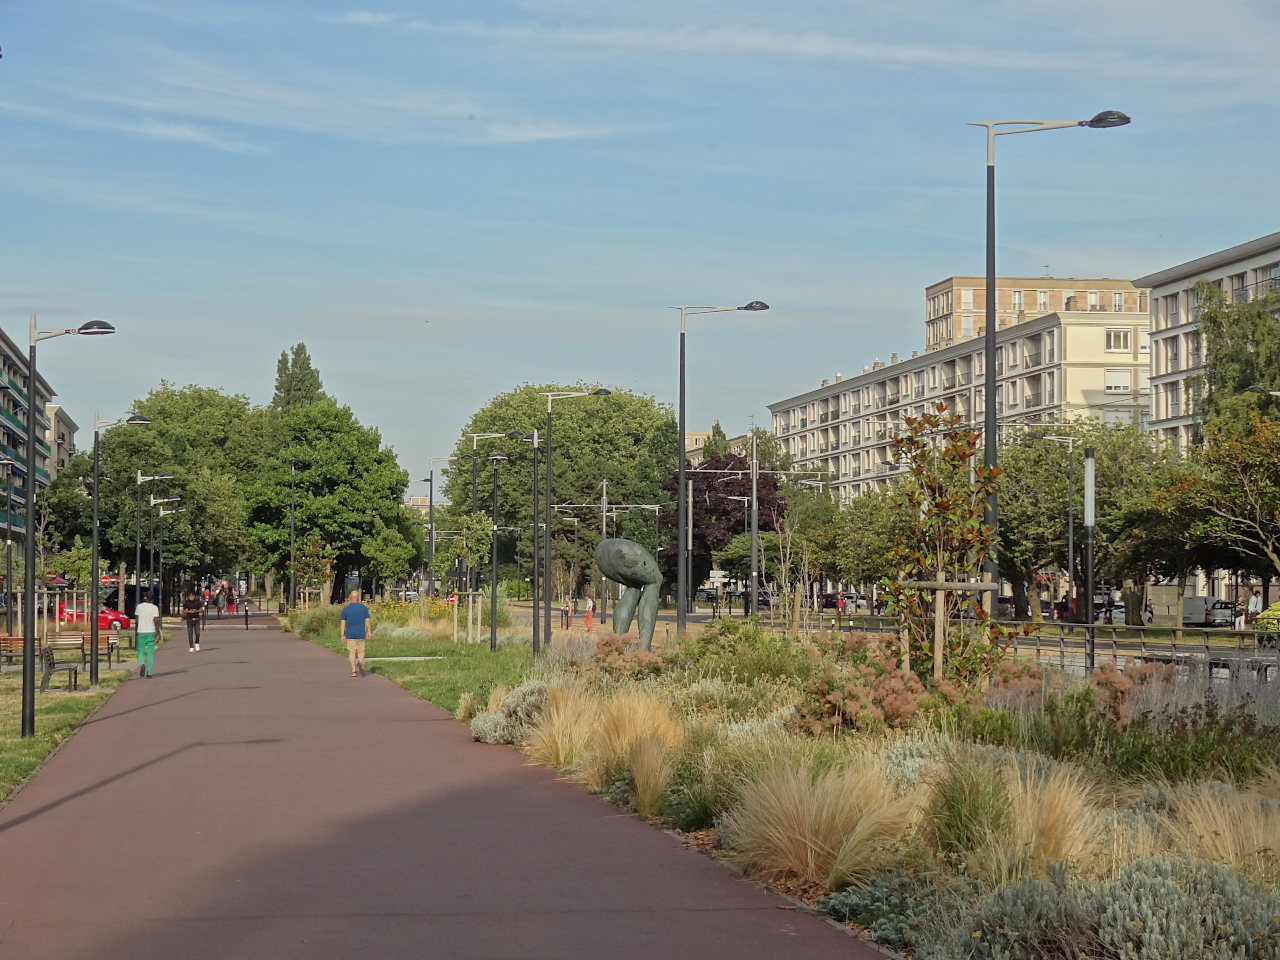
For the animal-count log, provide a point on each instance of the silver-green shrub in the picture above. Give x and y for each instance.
(1165, 909)
(518, 711)
(492, 728)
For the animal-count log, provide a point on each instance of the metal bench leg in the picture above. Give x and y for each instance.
(44, 681)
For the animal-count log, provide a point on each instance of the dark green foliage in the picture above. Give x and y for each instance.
(899, 909)
(744, 651)
(970, 803)
(297, 381)
(1029, 920)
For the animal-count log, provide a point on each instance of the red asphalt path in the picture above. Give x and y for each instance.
(254, 801)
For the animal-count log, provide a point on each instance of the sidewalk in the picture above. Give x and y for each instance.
(254, 801)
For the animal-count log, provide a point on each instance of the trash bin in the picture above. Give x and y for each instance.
(281, 608)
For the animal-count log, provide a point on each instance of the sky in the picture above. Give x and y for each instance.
(447, 200)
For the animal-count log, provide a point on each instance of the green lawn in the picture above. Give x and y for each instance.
(58, 714)
(462, 667)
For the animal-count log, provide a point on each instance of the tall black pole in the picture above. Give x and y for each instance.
(989, 341)
(94, 577)
(493, 567)
(546, 547)
(151, 548)
(160, 567)
(753, 599)
(293, 506)
(431, 532)
(1071, 532)
(682, 505)
(137, 556)
(1088, 556)
(29, 554)
(475, 468)
(534, 539)
(9, 593)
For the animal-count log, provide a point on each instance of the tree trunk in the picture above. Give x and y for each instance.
(268, 584)
(1033, 600)
(1020, 605)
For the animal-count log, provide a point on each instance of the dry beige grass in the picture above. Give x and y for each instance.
(630, 716)
(1268, 785)
(496, 696)
(1056, 816)
(652, 759)
(563, 734)
(836, 828)
(466, 708)
(1236, 828)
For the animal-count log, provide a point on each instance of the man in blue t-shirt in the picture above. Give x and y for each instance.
(355, 625)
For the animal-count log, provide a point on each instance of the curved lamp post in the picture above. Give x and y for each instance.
(682, 494)
(533, 438)
(94, 577)
(158, 585)
(1099, 121)
(160, 559)
(90, 329)
(496, 459)
(137, 541)
(546, 533)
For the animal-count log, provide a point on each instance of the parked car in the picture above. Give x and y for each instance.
(1004, 608)
(108, 619)
(705, 595)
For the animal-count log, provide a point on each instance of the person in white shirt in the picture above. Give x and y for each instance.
(1255, 605)
(591, 613)
(147, 616)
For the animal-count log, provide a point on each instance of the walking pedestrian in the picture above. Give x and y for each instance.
(591, 614)
(191, 610)
(221, 600)
(356, 626)
(147, 616)
(566, 615)
(1255, 606)
(1242, 612)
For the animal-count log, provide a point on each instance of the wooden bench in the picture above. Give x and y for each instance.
(69, 641)
(106, 641)
(50, 666)
(10, 647)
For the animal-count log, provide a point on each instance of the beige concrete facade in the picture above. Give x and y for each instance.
(955, 308)
(60, 437)
(1245, 272)
(1054, 367)
(14, 387)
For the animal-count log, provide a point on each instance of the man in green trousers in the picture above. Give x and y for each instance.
(148, 622)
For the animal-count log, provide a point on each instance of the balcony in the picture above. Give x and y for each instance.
(803, 423)
(1194, 359)
(878, 403)
(999, 368)
(854, 410)
(948, 383)
(1175, 408)
(1255, 291)
(1033, 400)
(894, 398)
(822, 417)
(965, 379)
(1174, 365)
(1032, 360)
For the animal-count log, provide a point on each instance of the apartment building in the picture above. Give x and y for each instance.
(60, 437)
(955, 308)
(1053, 367)
(1245, 272)
(741, 445)
(15, 388)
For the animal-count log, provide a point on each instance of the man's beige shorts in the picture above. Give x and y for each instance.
(356, 647)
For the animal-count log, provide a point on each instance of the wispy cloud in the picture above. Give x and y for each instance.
(755, 41)
(366, 18)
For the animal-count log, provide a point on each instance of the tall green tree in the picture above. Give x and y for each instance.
(297, 381)
(717, 444)
(346, 482)
(1241, 349)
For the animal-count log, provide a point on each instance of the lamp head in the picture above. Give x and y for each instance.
(497, 458)
(1256, 388)
(600, 392)
(1107, 118)
(761, 305)
(137, 420)
(528, 437)
(95, 328)
(515, 435)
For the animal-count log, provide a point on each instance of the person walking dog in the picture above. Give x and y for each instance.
(147, 616)
(356, 625)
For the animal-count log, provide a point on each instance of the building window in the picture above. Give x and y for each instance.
(1118, 340)
(1117, 302)
(1119, 381)
(1049, 341)
(933, 378)
(1042, 301)
(919, 378)
(1048, 388)
(966, 325)
(1017, 300)
(966, 299)
(1093, 299)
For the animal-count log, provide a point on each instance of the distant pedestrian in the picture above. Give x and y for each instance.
(221, 601)
(591, 614)
(1255, 606)
(191, 610)
(147, 616)
(1150, 612)
(355, 627)
(1242, 612)
(566, 615)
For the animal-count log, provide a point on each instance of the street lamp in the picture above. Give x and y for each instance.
(94, 576)
(151, 554)
(1071, 518)
(431, 522)
(160, 587)
(682, 495)
(7, 465)
(1107, 118)
(137, 542)
(546, 533)
(1089, 468)
(495, 459)
(91, 328)
(293, 506)
(532, 438)
(1259, 388)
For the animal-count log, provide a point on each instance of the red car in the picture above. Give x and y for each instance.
(108, 619)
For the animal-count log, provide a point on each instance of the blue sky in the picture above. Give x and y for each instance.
(539, 179)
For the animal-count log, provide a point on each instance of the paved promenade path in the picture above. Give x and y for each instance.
(254, 801)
